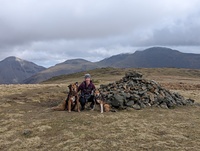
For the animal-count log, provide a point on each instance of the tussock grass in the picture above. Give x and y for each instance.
(26, 123)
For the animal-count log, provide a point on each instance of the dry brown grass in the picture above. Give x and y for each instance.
(27, 124)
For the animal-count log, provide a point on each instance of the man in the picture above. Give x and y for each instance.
(86, 88)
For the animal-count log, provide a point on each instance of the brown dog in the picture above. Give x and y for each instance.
(98, 99)
(106, 107)
(73, 98)
(71, 101)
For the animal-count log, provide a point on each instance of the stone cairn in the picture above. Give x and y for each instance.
(136, 92)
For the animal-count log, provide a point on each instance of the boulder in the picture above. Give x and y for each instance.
(130, 103)
(117, 101)
(136, 107)
(163, 105)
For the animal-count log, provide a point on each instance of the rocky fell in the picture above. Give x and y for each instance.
(67, 67)
(155, 57)
(14, 70)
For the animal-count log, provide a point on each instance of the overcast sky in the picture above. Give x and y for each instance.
(52, 31)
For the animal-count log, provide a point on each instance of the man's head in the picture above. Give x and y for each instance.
(87, 78)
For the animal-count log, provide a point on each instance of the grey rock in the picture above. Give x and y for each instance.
(117, 100)
(150, 87)
(145, 96)
(127, 95)
(136, 107)
(103, 86)
(115, 103)
(190, 102)
(142, 105)
(151, 97)
(135, 92)
(142, 92)
(144, 88)
(133, 74)
(180, 102)
(129, 109)
(130, 103)
(27, 132)
(164, 106)
(184, 102)
(109, 96)
(162, 93)
(135, 97)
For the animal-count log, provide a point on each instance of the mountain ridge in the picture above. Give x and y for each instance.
(14, 70)
(154, 57)
(158, 57)
(67, 67)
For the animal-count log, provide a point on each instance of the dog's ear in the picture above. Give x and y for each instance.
(70, 86)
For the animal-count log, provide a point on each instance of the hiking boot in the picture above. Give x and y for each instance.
(82, 108)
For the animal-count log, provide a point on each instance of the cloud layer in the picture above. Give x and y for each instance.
(51, 31)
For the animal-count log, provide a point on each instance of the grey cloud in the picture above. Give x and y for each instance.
(46, 20)
(184, 33)
(51, 31)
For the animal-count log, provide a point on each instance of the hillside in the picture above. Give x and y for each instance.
(105, 75)
(28, 124)
(14, 70)
(67, 67)
(155, 57)
(113, 61)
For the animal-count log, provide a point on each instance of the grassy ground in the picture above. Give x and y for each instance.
(27, 124)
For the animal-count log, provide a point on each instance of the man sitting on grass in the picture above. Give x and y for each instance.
(86, 88)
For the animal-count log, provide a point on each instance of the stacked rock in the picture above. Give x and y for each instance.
(136, 92)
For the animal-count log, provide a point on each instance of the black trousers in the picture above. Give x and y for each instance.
(83, 101)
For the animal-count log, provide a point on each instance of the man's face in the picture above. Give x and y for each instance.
(87, 80)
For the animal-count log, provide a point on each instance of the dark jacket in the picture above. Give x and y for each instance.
(86, 90)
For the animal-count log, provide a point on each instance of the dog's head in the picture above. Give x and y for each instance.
(96, 93)
(97, 96)
(73, 88)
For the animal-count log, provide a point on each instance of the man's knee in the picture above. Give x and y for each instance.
(91, 99)
(82, 101)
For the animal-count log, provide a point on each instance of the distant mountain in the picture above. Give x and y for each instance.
(113, 60)
(14, 70)
(67, 67)
(155, 57)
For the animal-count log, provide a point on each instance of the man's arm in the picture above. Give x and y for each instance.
(80, 87)
(93, 87)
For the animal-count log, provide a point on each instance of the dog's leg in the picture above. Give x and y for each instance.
(94, 105)
(60, 107)
(101, 105)
(69, 104)
(77, 104)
